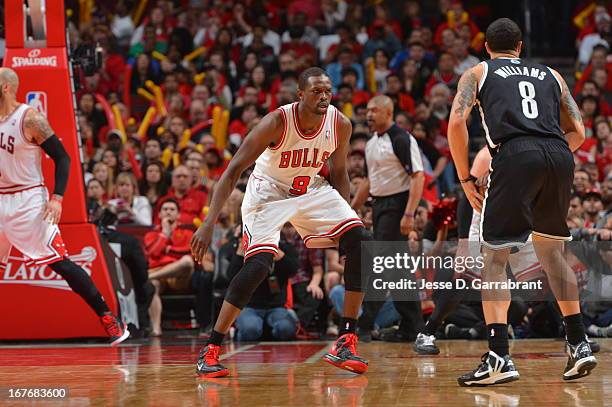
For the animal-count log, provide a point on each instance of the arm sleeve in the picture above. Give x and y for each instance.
(407, 151)
(54, 149)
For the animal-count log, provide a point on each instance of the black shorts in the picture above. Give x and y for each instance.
(529, 192)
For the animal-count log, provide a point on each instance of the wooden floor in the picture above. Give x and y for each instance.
(161, 373)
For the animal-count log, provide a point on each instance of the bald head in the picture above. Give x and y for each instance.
(380, 113)
(382, 102)
(10, 78)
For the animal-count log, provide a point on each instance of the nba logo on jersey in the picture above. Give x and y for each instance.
(37, 101)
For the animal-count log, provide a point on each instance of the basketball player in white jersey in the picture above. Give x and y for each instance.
(28, 218)
(289, 147)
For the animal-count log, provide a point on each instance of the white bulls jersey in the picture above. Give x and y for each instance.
(294, 162)
(20, 166)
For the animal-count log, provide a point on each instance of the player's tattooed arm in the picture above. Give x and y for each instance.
(36, 127)
(568, 103)
(571, 118)
(466, 94)
(458, 137)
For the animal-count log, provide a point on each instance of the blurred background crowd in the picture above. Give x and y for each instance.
(183, 81)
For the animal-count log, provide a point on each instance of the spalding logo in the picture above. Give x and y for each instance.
(17, 272)
(34, 59)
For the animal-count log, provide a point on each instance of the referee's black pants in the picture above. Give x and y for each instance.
(387, 215)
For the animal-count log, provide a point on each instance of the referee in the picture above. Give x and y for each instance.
(395, 181)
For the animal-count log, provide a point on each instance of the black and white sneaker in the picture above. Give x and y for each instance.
(493, 370)
(426, 345)
(580, 360)
(595, 347)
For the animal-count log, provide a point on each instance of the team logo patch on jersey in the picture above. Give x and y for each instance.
(38, 101)
(515, 61)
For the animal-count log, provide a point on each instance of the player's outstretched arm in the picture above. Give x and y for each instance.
(338, 174)
(268, 131)
(38, 131)
(458, 136)
(571, 119)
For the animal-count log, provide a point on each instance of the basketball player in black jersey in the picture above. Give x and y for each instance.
(532, 125)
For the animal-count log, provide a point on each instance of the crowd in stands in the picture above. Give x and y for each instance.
(183, 82)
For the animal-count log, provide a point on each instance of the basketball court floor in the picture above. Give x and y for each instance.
(160, 372)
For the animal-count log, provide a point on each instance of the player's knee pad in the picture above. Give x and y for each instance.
(350, 243)
(255, 269)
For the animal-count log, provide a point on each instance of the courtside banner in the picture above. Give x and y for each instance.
(38, 304)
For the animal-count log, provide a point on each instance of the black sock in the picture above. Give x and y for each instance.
(430, 328)
(348, 326)
(216, 338)
(498, 339)
(446, 303)
(574, 328)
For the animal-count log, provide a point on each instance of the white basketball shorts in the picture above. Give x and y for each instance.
(22, 225)
(320, 216)
(524, 263)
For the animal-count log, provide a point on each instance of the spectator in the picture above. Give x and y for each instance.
(350, 76)
(382, 38)
(128, 206)
(262, 37)
(104, 174)
(152, 152)
(190, 200)
(344, 60)
(122, 25)
(170, 261)
(195, 162)
(582, 181)
(381, 70)
(464, 60)
(602, 22)
(444, 74)
(346, 39)
(153, 185)
(299, 32)
(412, 80)
(575, 208)
(593, 206)
(598, 61)
(402, 101)
(241, 125)
(95, 195)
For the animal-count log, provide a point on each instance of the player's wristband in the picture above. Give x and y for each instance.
(409, 215)
(468, 179)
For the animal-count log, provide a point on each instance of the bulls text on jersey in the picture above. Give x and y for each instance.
(303, 157)
(7, 143)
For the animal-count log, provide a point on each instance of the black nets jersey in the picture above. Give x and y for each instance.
(518, 98)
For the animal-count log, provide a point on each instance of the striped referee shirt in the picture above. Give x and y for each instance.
(391, 158)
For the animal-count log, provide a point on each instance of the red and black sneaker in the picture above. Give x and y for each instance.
(115, 328)
(208, 362)
(343, 354)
